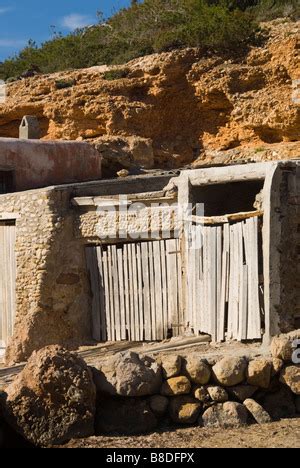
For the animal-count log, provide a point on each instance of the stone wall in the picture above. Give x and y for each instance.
(138, 223)
(52, 288)
(130, 393)
(289, 309)
(137, 394)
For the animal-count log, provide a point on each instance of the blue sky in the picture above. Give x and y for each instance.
(21, 20)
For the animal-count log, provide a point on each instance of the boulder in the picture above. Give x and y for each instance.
(171, 366)
(128, 374)
(124, 416)
(290, 376)
(280, 405)
(230, 371)
(282, 345)
(128, 152)
(256, 410)
(277, 365)
(229, 414)
(259, 373)
(159, 404)
(218, 394)
(197, 370)
(176, 386)
(184, 410)
(201, 394)
(53, 399)
(242, 392)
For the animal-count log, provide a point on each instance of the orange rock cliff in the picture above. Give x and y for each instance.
(174, 109)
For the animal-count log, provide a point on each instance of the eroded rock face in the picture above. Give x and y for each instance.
(257, 411)
(225, 415)
(129, 375)
(53, 399)
(230, 371)
(246, 103)
(124, 416)
(127, 152)
(184, 410)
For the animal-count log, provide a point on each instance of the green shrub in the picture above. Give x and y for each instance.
(60, 84)
(118, 74)
(151, 26)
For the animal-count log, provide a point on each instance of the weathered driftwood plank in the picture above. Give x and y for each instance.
(7, 282)
(224, 219)
(120, 257)
(135, 293)
(107, 295)
(164, 288)
(172, 285)
(152, 291)
(126, 291)
(223, 286)
(253, 223)
(180, 304)
(115, 283)
(111, 293)
(140, 292)
(131, 298)
(103, 324)
(92, 264)
(146, 291)
(158, 290)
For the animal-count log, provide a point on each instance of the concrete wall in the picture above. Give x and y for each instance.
(38, 163)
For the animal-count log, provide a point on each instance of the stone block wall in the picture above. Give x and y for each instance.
(131, 394)
(137, 394)
(143, 223)
(52, 287)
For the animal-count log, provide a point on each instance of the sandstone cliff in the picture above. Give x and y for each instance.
(174, 109)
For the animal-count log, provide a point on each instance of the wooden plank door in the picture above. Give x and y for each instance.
(223, 281)
(136, 291)
(7, 282)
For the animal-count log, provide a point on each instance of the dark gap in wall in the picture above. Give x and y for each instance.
(233, 197)
(6, 182)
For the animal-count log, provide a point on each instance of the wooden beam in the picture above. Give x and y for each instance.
(212, 220)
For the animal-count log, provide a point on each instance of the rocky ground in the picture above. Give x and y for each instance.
(283, 434)
(174, 109)
(174, 401)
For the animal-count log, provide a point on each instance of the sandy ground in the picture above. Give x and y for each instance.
(283, 434)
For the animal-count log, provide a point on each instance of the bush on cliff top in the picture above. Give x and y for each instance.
(147, 27)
